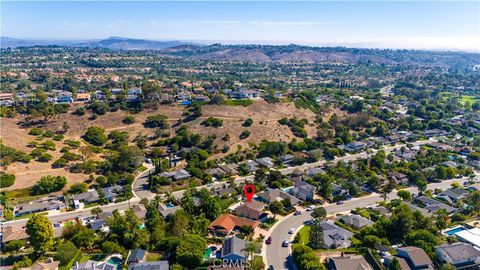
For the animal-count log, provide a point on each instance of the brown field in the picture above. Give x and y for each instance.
(265, 126)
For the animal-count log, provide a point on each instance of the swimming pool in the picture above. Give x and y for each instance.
(454, 231)
(115, 262)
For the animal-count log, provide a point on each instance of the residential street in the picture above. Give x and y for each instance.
(279, 256)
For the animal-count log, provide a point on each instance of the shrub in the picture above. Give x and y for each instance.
(35, 131)
(48, 145)
(6, 180)
(45, 157)
(58, 137)
(65, 149)
(158, 120)
(79, 111)
(48, 184)
(248, 122)
(213, 122)
(59, 163)
(37, 152)
(245, 134)
(72, 143)
(129, 119)
(48, 134)
(14, 245)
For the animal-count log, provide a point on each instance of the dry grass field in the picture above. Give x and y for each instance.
(265, 126)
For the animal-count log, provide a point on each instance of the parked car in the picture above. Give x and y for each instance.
(298, 212)
(291, 231)
(270, 267)
(340, 202)
(268, 241)
(285, 243)
(311, 207)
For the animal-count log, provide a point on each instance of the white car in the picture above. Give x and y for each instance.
(285, 243)
(311, 207)
(291, 231)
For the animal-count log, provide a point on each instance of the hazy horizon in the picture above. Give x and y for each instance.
(425, 25)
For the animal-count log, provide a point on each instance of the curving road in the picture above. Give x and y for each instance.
(280, 257)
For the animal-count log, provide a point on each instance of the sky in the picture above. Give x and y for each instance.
(384, 24)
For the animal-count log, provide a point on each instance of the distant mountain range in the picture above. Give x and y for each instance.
(265, 53)
(116, 43)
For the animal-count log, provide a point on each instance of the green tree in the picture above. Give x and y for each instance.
(405, 195)
(66, 251)
(96, 211)
(14, 245)
(109, 247)
(96, 136)
(276, 207)
(394, 265)
(319, 213)
(48, 184)
(189, 252)
(40, 233)
(316, 235)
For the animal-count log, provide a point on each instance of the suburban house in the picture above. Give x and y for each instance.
(265, 162)
(90, 196)
(225, 192)
(64, 97)
(83, 97)
(176, 175)
(227, 223)
(315, 171)
(168, 209)
(387, 260)
(303, 191)
(349, 262)
(416, 258)
(106, 264)
(6, 99)
(355, 146)
(471, 236)
(110, 193)
(433, 206)
(252, 166)
(398, 178)
(252, 210)
(50, 264)
(453, 195)
(136, 256)
(157, 265)
(241, 93)
(435, 132)
(184, 96)
(230, 169)
(460, 255)
(134, 93)
(216, 172)
(271, 195)
(140, 210)
(335, 236)
(356, 221)
(233, 249)
(48, 203)
(99, 225)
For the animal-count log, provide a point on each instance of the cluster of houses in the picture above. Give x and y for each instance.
(182, 95)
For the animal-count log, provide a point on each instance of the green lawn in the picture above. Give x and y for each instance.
(152, 257)
(303, 236)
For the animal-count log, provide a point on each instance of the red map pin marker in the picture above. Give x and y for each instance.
(249, 191)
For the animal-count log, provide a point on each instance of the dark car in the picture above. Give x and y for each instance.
(298, 212)
(285, 243)
(268, 241)
(340, 202)
(270, 267)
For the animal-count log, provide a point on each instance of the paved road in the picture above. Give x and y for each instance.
(280, 257)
